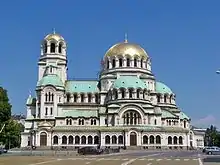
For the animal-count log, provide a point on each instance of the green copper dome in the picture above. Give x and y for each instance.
(162, 88)
(129, 82)
(51, 79)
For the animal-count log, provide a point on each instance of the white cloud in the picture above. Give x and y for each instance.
(206, 122)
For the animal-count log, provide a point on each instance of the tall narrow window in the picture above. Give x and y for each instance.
(45, 47)
(135, 62)
(75, 97)
(141, 63)
(107, 64)
(52, 48)
(96, 98)
(128, 62)
(120, 62)
(82, 98)
(60, 48)
(46, 99)
(51, 111)
(113, 63)
(89, 98)
(46, 111)
(51, 70)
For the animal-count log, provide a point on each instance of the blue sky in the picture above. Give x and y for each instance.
(181, 37)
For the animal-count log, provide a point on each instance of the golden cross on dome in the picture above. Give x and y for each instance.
(126, 38)
(54, 31)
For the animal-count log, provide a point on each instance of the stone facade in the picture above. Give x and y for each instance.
(125, 107)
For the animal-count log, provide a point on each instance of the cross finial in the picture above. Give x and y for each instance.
(54, 31)
(126, 38)
(29, 93)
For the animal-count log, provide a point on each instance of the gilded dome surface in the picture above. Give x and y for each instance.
(126, 48)
(54, 36)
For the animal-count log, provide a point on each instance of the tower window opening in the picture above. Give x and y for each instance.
(120, 62)
(141, 63)
(135, 62)
(45, 47)
(128, 62)
(60, 48)
(52, 48)
(113, 63)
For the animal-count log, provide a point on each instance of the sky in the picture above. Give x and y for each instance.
(182, 39)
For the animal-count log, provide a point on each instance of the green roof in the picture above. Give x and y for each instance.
(80, 113)
(31, 100)
(167, 114)
(51, 79)
(82, 86)
(184, 116)
(129, 82)
(162, 88)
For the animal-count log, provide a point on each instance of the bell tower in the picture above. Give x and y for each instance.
(53, 58)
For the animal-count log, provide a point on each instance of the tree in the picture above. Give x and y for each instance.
(212, 137)
(5, 106)
(11, 134)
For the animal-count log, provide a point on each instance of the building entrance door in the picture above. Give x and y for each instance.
(43, 139)
(133, 139)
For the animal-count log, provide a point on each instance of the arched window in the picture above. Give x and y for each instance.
(141, 63)
(96, 140)
(155, 121)
(83, 140)
(135, 62)
(181, 140)
(169, 140)
(75, 97)
(113, 63)
(184, 124)
(138, 93)
(132, 118)
(46, 97)
(120, 62)
(128, 62)
(68, 121)
(52, 48)
(90, 140)
(60, 47)
(46, 111)
(55, 140)
(107, 139)
(68, 97)
(89, 98)
(45, 47)
(77, 140)
(151, 139)
(145, 139)
(115, 93)
(82, 97)
(81, 121)
(120, 139)
(165, 98)
(158, 98)
(107, 64)
(158, 139)
(122, 93)
(70, 139)
(114, 139)
(130, 91)
(175, 140)
(64, 139)
(96, 98)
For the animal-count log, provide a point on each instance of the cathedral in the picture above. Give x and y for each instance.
(125, 107)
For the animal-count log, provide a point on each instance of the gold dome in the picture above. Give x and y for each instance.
(54, 36)
(126, 48)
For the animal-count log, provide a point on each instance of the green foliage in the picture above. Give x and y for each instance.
(11, 134)
(212, 137)
(5, 106)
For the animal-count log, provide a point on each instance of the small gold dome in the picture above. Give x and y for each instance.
(54, 36)
(126, 48)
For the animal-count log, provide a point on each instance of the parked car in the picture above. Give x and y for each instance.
(3, 150)
(89, 151)
(212, 150)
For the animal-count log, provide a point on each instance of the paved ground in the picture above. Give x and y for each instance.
(129, 158)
